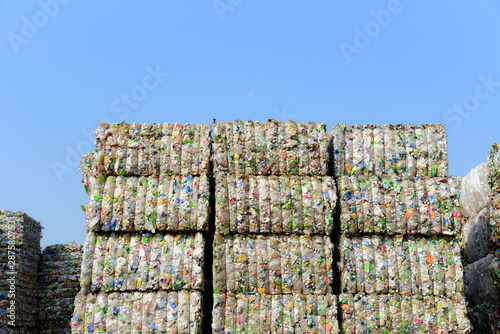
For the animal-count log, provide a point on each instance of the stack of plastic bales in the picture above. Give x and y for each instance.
(272, 261)
(481, 242)
(142, 265)
(19, 255)
(59, 276)
(401, 269)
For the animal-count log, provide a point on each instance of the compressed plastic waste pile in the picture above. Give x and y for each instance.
(400, 205)
(270, 148)
(139, 312)
(396, 313)
(485, 317)
(151, 149)
(272, 252)
(143, 256)
(59, 275)
(272, 204)
(147, 203)
(400, 220)
(413, 150)
(19, 255)
(143, 261)
(282, 313)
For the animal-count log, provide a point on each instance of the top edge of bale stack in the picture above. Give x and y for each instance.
(149, 148)
(270, 148)
(24, 230)
(412, 150)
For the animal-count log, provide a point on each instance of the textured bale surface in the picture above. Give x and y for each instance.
(270, 148)
(413, 150)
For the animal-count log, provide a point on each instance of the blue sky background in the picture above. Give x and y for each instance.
(305, 60)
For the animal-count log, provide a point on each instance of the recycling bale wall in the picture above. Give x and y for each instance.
(147, 218)
(19, 256)
(59, 274)
(272, 251)
(400, 224)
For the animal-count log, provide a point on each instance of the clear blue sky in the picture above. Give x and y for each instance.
(66, 66)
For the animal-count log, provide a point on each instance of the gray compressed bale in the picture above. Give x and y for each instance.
(476, 237)
(481, 280)
(475, 190)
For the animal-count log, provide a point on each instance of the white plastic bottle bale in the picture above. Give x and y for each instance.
(198, 254)
(195, 312)
(359, 217)
(302, 149)
(219, 147)
(253, 203)
(288, 306)
(239, 147)
(265, 205)
(187, 151)
(273, 253)
(100, 312)
(423, 201)
(358, 261)
(436, 249)
(411, 207)
(432, 143)
(347, 265)
(230, 263)
(230, 314)
(297, 205)
(346, 304)
(315, 131)
(248, 138)
(121, 150)
(176, 149)
(425, 263)
(133, 141)
(338, 138)
(449, 269)
(260, 148)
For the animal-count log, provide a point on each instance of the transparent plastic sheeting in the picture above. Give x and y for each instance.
(390, 149)
(482, 279)
(154, 203)
(476, 237)
(494, 166)
(395, 313)
(275, 204)
(485, 318)
(270, 148)
(127, 262)
(409, 265)
(392, 205)
(150, 148)
(263, 313)
(27, 231)
(59, 284)
(138, 312)
(273, 264)
(475, 190)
